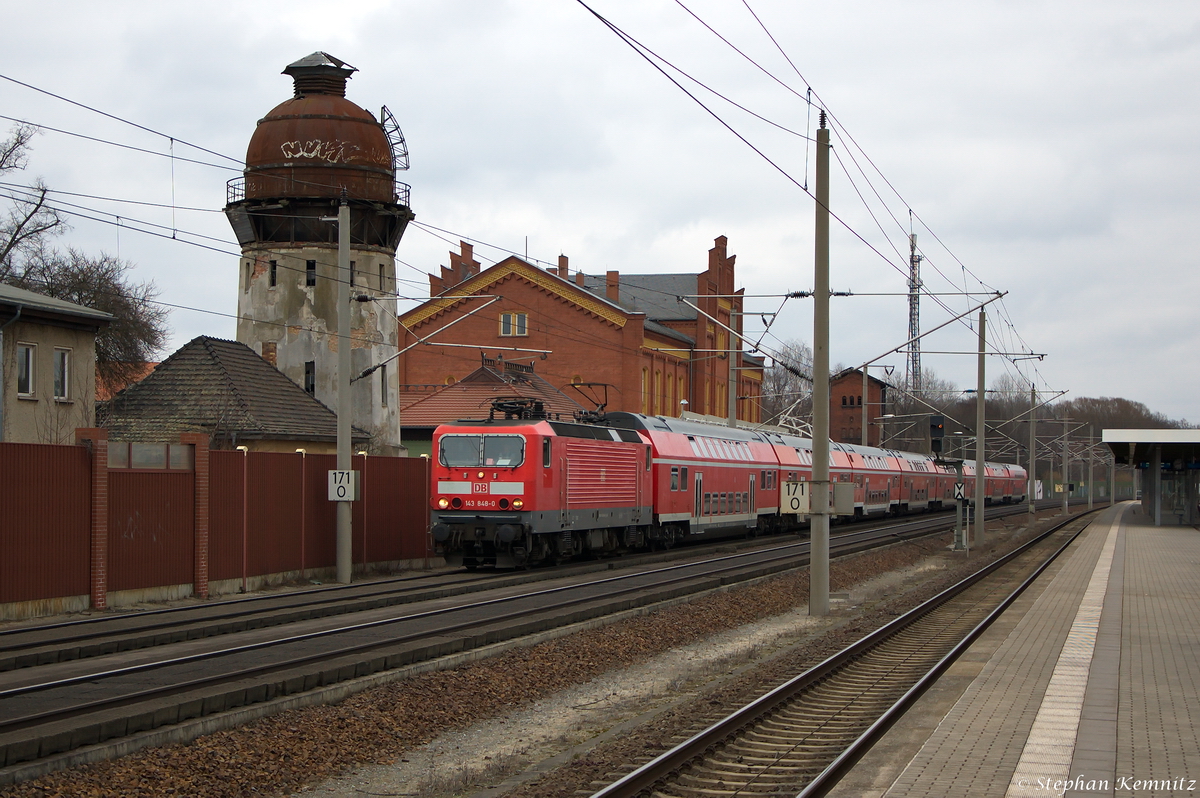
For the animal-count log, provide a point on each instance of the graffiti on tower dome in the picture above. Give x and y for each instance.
(330, 151)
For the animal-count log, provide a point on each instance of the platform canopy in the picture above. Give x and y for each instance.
(1180, 447)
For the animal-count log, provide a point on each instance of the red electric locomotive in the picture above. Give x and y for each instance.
(515, 491)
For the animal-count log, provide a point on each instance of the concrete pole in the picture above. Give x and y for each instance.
(1112, 480)
(1156, 482)
(1091, 462)
(1066, 479)
(731, 354)
(818, 600)
(980, 431)
(865, 440)
(1032, 447)
(345, 545)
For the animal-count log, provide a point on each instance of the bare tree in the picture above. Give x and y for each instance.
(27, 260)
(29, 221)
(139, 327)
(787, 384)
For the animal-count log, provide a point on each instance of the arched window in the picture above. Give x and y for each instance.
(843, 401)
(656, 399)
(645, 392)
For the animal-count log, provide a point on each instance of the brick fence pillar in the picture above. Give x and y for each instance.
(97, 440)
(200, 500)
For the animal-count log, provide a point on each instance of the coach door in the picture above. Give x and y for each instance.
(753, 501)
(697, 495)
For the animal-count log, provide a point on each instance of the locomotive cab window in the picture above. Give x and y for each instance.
(545, 453)
(683, 482)
(472, 451)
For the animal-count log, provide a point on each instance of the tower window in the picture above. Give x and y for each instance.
(513, 324)
(274, 273)
(310, 272)
(310, 376)
(352, 270)
(383, 385)
(382, 277)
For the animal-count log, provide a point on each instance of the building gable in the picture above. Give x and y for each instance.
(515, 268)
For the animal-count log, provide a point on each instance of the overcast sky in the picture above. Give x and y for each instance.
(1051, 148)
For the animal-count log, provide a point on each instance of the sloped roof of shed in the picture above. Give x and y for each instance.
(472, 396)
(217, 386)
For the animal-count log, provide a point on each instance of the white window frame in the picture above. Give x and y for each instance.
(514, 325)
(62, 355)
(27, 357)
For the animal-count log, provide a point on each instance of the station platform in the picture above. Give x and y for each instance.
(1088, 685)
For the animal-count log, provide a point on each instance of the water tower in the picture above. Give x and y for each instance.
(305, 155)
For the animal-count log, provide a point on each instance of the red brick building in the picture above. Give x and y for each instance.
(847, 405)
(630, 331)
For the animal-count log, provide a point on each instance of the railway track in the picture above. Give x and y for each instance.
(62, 706)
(799, 738)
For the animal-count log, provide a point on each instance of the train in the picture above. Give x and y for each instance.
(527, 489)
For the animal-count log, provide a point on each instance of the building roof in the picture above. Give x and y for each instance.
(222, 388)
(652, 294)
(1133, 446)
(472, 396)
(12, 297)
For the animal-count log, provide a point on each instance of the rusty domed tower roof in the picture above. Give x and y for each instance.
(318, 142)
(312, 148)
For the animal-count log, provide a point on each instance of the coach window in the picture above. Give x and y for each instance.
(708, 504)
(724, 505)
(683, 479)
(674, 477)
(545, 453)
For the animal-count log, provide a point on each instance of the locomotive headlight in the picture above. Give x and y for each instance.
(481, 475)
(518, 504)
(443, 503)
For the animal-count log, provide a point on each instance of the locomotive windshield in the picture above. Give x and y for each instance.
(473, 451)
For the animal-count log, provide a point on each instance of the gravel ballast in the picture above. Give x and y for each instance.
(339, 749)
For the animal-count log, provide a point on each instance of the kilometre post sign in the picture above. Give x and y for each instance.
(795, 497)
(343, 486)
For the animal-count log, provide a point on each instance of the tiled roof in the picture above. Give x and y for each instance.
(472, 396)
(222, 388)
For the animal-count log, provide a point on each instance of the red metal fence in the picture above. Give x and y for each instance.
(45, 521)
(268, 513)
(289, 524)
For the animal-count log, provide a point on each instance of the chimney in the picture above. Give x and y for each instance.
(563, 271)
(579, 280)
(612, 286)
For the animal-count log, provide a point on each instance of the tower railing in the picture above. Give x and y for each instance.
(235, 191)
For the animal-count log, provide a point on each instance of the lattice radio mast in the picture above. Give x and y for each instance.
(914, 316)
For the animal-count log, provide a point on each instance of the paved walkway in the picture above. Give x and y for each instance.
(1089, 685)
